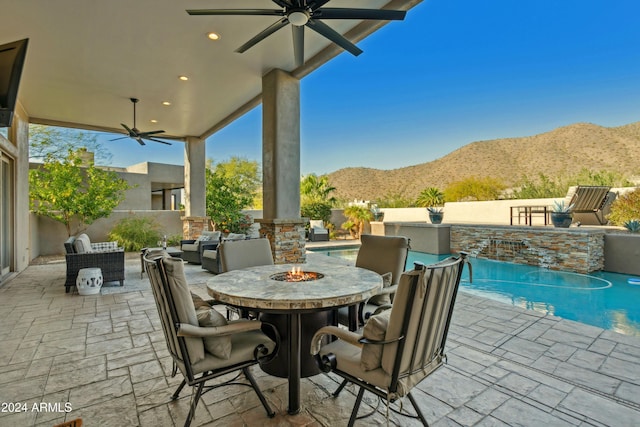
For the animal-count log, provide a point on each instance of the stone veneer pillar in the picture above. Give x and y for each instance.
(287, 238)
(193, 226)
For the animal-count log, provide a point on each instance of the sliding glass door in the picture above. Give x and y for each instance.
(6, 214)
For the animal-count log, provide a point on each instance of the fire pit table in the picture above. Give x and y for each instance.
(298, 304)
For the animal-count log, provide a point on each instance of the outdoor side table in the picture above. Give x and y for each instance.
(89, 281)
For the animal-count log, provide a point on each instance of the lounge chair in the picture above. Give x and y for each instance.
(398, 347)
(317, 231)
(81, 253)
(192, 248)
(202, 344)
(590, 199)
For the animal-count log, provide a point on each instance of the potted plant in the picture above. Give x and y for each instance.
(633, 226)
(561, 215)
(435, 215)
(378, 215)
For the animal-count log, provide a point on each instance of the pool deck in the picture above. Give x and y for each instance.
(105, 355)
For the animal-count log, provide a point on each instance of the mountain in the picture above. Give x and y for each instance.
(561, 152)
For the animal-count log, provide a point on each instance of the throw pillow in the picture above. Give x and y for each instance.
(82, 244)
(218, 346)
(375, 329)
(202, 238)
(198, 302)
(385, 298)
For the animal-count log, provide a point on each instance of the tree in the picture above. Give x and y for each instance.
(357, 217)
(625, 208)
(474, 188)
(430, 197)
(544, 188)
(230, 188)
(315, 188)
(65, 191)
(55, 142)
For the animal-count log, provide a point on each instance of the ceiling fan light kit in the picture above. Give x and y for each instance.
(305, 13)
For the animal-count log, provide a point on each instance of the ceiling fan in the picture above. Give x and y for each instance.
(134, 133)
(309, 13)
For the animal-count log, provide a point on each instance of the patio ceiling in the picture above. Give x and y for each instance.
(87, 58)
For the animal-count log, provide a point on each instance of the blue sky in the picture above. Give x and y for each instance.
(454, 72)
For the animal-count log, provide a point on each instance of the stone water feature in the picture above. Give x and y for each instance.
(572, 249)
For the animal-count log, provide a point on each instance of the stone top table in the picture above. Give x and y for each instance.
(256, 288)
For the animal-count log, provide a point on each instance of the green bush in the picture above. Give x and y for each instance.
(625, 208)
(136, 233)
(316, 210)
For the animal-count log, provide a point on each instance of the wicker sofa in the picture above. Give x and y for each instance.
(81, 253)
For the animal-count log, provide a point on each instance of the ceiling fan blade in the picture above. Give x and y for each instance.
(328, 32)
(317, 4)
(213, 12)
(157, 140)
(128, 129)
(118, 139)
(140, 141)
(263, 34)
(298, 44)
(338, 13)
(152, 132)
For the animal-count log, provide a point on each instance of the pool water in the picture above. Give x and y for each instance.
(601, 299)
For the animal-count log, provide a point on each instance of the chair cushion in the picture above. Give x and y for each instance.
(184, 304)
(317, 223)
(384, 298)
(374, 329)
(82, 244)
(235, 236)
(191, 247)
(203, 238)
(218, 346)
(210, 253)
(198, 302)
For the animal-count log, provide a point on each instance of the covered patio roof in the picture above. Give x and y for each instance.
(86, 59)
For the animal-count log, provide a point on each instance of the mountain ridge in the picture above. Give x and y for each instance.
(563, 151)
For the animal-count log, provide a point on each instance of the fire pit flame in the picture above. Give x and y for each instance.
(296, 274)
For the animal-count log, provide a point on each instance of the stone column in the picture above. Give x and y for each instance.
(195, 219)
(287, 238)
(281, 167)
(280, 145)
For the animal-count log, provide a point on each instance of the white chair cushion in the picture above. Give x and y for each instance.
(210, 253)
(190, 247)
(316, 223)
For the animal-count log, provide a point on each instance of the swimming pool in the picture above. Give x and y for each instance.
(601, 299)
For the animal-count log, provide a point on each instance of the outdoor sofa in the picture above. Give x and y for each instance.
(81, 253)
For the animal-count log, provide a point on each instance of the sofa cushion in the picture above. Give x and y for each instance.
(210, 253)
(235, 236)
(218, 346)
(191, 247)
(82, 244)
(384, 298)
(375, 329)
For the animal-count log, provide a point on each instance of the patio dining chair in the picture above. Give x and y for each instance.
(202, 344)
(387, 256)
(401, 346)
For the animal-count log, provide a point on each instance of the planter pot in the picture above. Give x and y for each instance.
(378, 216)
(561, 219)
(436, 218)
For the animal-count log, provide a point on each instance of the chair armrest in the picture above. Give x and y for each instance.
(188, 330)
(389, 290)
(348, 336)
(187, 241)
(207, 246)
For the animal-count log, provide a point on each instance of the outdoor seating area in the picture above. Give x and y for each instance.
(106, 356)
(81, 253)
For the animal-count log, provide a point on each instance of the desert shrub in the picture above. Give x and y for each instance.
(474, 188)
(625, 208)
(316, 210)
(135, 233)
(544, 187)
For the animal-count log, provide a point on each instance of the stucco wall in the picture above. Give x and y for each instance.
(49, 235)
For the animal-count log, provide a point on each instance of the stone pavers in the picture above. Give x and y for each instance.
(105, 356)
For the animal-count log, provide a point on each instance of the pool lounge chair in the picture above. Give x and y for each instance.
(317, 231)
(590, 199)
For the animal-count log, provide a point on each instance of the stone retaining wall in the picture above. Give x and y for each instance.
(573, 249)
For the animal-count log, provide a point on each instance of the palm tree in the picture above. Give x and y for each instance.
(357, 217)
(316, 188)
(430, 197)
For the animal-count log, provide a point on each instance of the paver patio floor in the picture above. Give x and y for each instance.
(105, 357)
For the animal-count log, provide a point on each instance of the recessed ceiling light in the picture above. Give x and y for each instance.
(183, 78)
(153, 121)
(213, 36)
(166, 103)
